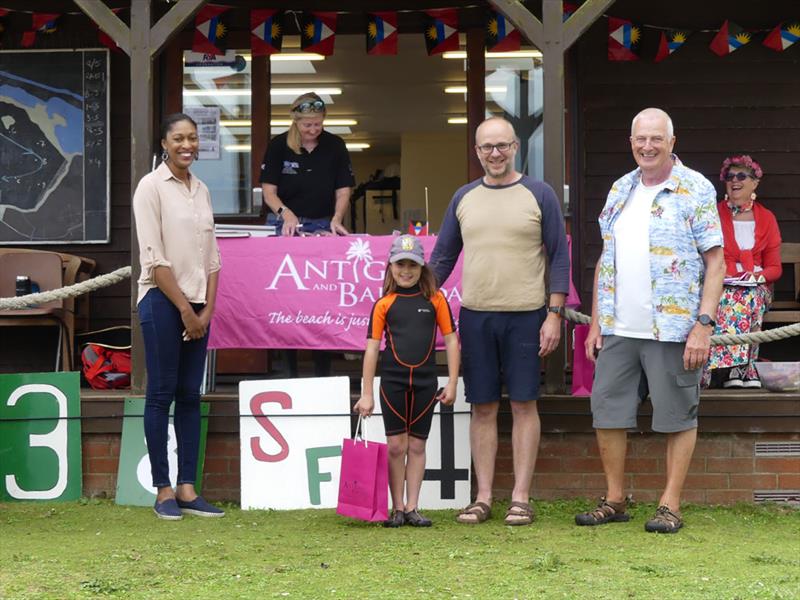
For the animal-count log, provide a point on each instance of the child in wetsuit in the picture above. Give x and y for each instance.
(409, 312)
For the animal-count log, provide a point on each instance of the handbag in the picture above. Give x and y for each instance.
(364, 478)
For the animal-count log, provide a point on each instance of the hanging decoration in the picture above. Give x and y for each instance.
(671, 40)
(318, 32)
(441, 30)
(569, 9)
(382, 33)
(211, 30)
(417, 227)
(266, 31)
(623, 40)
(783, 36)
(40, 23)
(730, 38)
(501, 35)
(105, 39)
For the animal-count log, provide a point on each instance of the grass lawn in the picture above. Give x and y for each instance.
(94, 549)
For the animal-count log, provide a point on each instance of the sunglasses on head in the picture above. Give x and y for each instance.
(740, 176)
(309, 106)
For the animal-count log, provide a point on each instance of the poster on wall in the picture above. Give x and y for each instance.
(291, 444)
(134, 480)
(54, 147)
(40, 436)
(207, 119)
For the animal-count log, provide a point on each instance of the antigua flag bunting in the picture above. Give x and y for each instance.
(568, 9)
(623, 39)
(105, 39)
(501, 35)
(3, 13)
(783, 36)
(318, 32)
(210, 30)
(40, 23)
(417, 228)
(671, 40)
(441, 30)
(382, 33)
(266, 31)
(730, 38)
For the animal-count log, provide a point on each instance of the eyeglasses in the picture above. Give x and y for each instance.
(502, 147)
(740, 176)
(309, 106)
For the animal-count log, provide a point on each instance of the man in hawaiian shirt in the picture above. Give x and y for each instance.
(656, 288)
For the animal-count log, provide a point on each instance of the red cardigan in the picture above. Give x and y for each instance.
(766, 252)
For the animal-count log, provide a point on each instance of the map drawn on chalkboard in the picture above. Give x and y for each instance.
(54, 147)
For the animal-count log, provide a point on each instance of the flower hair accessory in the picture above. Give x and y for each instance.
(744, 161)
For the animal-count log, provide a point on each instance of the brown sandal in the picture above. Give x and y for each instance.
(480, 510)
(519, 513)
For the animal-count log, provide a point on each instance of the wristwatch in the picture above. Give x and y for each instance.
(559, 310)
(706, 320)
(279, 212)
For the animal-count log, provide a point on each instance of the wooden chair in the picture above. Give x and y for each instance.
(50, 270)
(787, 311)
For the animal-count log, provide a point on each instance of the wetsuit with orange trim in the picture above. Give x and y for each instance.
(408, 363)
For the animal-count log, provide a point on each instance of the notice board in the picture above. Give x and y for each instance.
(54, 147)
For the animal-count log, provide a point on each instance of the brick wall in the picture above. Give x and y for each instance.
(724, 468)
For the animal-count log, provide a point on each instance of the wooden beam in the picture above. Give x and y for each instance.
(523, 19)
(582, 19)
(141, 153)
(172, 23)
(476, 96)
(106, 20)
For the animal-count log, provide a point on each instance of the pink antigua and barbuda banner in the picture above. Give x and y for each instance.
(306, 293)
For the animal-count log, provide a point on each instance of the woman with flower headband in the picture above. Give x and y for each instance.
(753, 263)
(306, 178)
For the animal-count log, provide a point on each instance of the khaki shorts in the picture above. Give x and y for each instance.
(627, 367)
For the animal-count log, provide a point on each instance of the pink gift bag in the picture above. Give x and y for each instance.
(582, 367)
(364, 478)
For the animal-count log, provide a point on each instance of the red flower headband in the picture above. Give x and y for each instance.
(744, 161)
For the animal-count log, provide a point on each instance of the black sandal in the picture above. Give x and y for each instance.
(415, 519)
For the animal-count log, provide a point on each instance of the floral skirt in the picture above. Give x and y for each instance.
(741, 310)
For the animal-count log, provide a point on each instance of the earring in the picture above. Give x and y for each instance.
(726, 197)
(164, 156)
(196, 156)
(753, 197)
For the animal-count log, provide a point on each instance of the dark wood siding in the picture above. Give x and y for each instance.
(747, 102)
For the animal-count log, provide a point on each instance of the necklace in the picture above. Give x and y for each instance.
(737, 210)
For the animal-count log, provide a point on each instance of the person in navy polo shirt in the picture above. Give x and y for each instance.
(307, 179)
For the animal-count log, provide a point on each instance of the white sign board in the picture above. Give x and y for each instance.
(207, 119)
(291, 433)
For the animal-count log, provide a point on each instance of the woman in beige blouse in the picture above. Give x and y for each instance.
(177, 288)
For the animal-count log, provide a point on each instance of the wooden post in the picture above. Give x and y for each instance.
(476, 96)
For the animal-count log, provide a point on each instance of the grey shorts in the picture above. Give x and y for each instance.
(627, 367)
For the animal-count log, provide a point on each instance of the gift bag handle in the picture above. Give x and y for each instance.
(361, 431)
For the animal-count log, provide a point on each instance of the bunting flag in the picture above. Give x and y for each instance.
(417, 228)
(3, 13)
(382, 33)
(318, 32)
(210, 30)
(568, 9)
(730, 38)
(623, 39)
(501, 35)
(40, 23)
(783, 36)
(105, 39)
(671, 40)
(441, 30)
(266, 31)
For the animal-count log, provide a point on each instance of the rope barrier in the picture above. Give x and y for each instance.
(70, 291)
(101, 281)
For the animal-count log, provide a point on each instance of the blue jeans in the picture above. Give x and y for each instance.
(309, 225)
(174, 372)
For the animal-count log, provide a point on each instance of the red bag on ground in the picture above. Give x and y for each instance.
(106, 368)
(364, 479)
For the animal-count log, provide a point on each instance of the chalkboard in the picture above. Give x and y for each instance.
(54, 147)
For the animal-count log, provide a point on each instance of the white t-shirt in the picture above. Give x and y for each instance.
(745, 234)
(633, 298)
